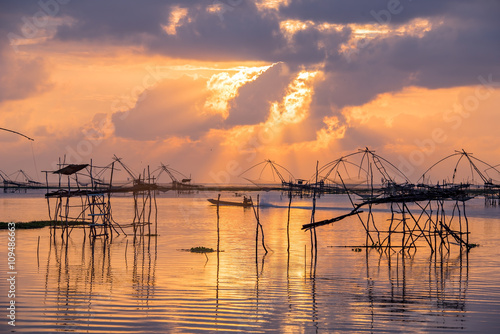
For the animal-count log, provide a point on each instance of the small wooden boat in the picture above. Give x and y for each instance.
(247, 202)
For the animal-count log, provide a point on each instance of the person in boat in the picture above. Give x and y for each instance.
(246, 200)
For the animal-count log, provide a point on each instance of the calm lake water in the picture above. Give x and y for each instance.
(154, 286)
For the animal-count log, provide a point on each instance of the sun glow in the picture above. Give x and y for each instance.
(334, 130)
(295, 105)
(223, 87)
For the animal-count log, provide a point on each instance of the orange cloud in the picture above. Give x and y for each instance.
(223, 87)
(295, 105)
(177, 15)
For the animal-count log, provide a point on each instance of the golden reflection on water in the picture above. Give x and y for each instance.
(81, 281)
(151, 285)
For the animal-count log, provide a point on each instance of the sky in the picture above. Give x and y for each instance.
(213, 87)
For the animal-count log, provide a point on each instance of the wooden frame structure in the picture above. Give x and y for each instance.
(87, 205)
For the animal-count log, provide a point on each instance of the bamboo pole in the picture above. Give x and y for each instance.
(218, 229)
(357, 213)
(149, 201)
(288, 221)
(259, 225)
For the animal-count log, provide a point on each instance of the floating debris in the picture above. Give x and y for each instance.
(201, 249)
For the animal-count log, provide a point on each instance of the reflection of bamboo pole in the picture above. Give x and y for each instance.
(38, 251)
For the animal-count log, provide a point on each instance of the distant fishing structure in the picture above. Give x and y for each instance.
(143, 191)
(83, 199)
(279, 174)
(13, 185)
(180, 181)
(431, 212)
(18, 181)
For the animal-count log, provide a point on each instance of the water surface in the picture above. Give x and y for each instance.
(152, 285)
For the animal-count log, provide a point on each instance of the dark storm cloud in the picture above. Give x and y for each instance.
(122, 20)
(368, 11)
(448, 56)
(455, 53)
(238, 31)
(241, 34)
(462, 45)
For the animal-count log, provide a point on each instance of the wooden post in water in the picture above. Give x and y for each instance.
(256, 213)
(368, 236)
(404, 227)
(259, 225)
(218, 230)
(390, 226)
(218, 260)
(466, 227)
(149, 200)
(314, 246)
(288, 221)
(134, 221)
(108, 205)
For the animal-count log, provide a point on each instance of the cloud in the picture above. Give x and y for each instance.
(366, 11)
(187, 107)
(253, 102)
(174, 108)
(424, 43)
(224, 87)
(235, 32)
(21, 78)
(114, 21)
(451, 55)
(21, 74)
(460, 45)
